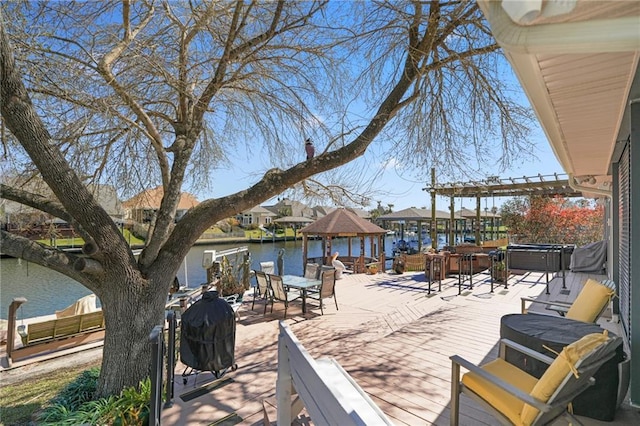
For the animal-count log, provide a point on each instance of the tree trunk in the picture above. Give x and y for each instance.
(131, 311)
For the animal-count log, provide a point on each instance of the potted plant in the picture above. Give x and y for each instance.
(232, 280)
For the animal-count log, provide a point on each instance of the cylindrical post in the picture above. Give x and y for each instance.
(11, 326)
(434, 224)
(452, 226)
(506, 268)
(492, 270)
(477, 227)
(157, 349)
(171, 358)
(564, 284)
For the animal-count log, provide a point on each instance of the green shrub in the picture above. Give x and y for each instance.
(72, 396)
(74, 405)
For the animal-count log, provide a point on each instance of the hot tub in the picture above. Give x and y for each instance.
(539, 257)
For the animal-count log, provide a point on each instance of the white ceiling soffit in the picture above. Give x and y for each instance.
(576, 69)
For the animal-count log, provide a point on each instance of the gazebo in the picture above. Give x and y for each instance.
(295, 222)
(343, 223)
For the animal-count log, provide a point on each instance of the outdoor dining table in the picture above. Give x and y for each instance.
(301, 283)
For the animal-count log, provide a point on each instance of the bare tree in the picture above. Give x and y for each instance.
(136, 93)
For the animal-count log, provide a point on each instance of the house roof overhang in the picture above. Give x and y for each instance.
(580, 71)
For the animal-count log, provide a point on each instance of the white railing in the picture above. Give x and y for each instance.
(323, 387)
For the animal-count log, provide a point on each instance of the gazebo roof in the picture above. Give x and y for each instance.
(467, 213)
(341, 222)
(293, 219)
(416, 214)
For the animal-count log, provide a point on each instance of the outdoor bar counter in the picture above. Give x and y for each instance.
(537, 331)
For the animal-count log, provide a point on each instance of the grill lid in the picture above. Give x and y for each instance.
(208, 334)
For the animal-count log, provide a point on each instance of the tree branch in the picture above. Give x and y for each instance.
(23, 248)
(36, 201)
(22, 120)
(104, 68)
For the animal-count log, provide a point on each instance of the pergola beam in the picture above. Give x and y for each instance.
(498, 188)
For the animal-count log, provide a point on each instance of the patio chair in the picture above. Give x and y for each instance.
(514, 397)
(327, 289)
(279, 294)
(312, 270)
(588, 306)
(268, 267)
(261, 290)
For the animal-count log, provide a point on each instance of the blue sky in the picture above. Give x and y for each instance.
(394, 184)
(401, 191)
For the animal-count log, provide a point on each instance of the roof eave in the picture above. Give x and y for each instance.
(526, 46)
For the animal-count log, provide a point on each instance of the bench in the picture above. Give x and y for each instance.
(56, 334)
(323, 387)
(61, 328)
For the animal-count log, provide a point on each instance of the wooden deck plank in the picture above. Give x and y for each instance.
(389, 335)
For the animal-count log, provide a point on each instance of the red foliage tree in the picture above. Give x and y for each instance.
(554, 220)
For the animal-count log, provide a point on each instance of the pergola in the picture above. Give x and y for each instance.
(494, 186)
(343, 223)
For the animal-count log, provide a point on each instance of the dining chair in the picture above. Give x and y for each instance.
(311, 270)
(261, 290)
(279, 294)
(327, 289)
(268, 267)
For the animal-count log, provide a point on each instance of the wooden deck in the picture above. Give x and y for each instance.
(393, 338)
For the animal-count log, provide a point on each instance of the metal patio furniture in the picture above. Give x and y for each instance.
(278, 293)
(588, 306)
(261, 290)
(327, 289)
(513, 396)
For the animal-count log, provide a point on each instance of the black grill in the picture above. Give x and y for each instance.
(208, 335)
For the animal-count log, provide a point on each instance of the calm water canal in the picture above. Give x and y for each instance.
(47, 291)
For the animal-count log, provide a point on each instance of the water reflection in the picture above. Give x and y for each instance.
(47, 291)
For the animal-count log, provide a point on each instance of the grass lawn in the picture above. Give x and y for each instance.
(19, 401)
(255, 234)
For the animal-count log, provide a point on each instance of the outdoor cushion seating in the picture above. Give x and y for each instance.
(327, 289)
(279, 294)
(587, 307)
(515, 397)
(61, 328)
(83, 305)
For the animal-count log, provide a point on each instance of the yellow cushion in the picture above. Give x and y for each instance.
(558, 370)
(590, 302)
(503, 401)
